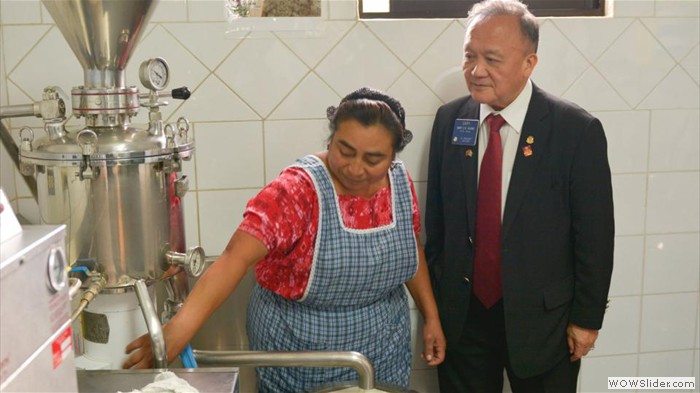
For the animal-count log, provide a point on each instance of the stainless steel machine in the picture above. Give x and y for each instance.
(117, 188)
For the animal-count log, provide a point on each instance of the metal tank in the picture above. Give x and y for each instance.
(116, 187)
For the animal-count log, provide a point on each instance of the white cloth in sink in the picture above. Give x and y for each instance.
(167, 382)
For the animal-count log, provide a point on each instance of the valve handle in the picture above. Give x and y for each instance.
(181, 93)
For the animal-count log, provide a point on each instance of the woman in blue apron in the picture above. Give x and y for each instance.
(333, 240)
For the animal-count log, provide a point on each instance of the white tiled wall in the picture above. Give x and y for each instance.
(259, 101)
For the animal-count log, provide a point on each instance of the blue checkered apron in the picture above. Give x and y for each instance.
(354, 301)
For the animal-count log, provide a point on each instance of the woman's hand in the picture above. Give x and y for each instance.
(141, 349)
(434, 341)
(141, 353)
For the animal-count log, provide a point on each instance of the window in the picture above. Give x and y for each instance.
(398, 9)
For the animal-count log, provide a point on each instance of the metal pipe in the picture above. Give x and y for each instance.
(75, 284)
(13, 151)
(356, 360)
(155, 329)
(23, 110)
(9, 144)
(96, 286)
(78, 310)
(177, 287)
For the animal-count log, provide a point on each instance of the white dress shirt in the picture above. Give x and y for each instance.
(514, 115)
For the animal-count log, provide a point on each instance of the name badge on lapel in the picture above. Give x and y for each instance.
(465, 131)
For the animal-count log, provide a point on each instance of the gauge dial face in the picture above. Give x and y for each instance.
(195, 261)
(154, 74)
(56, 269)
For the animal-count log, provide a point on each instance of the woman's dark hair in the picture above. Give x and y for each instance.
(369, 107)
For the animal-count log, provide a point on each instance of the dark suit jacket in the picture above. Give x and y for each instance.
(557, 234)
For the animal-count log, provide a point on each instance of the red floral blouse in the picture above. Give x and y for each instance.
(284, 216)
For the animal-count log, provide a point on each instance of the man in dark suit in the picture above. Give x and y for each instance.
(519, 218)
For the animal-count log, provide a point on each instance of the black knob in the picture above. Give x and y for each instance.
(181, 93)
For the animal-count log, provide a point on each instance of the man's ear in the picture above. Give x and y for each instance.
(529, 64)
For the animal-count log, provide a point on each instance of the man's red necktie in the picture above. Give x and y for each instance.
(487, 259)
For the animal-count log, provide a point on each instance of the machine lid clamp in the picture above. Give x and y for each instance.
(26, 142)
(183, 126)
(174, 164)
(89, 147)
(170, 137)
(26, 146)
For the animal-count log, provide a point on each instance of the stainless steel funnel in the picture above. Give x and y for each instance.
(102, 34)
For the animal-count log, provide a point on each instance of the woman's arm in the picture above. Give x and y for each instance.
(211, 290)
(422, 293)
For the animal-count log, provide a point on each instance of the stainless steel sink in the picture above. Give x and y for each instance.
(205, 379)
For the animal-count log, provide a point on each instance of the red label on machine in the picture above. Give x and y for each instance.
(61, 347)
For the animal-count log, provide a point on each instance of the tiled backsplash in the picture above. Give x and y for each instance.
(259, 101)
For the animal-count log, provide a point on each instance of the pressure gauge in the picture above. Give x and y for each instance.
(56, 269)
(154, 73)
(195, 261)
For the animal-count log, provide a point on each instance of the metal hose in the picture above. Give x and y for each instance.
(355, 360)
(155, 329)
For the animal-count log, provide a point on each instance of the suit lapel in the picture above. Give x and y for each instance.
(527, 156)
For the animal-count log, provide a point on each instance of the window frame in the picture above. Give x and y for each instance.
(425, 9)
